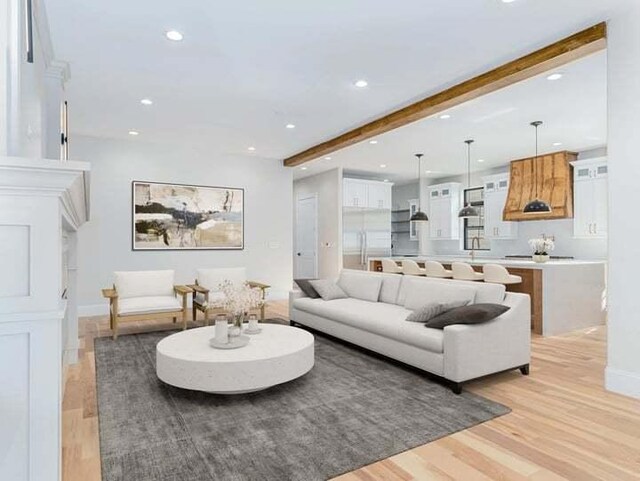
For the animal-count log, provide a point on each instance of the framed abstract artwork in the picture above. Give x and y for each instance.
(186, 217)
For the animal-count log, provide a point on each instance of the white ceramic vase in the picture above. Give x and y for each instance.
(540, 258)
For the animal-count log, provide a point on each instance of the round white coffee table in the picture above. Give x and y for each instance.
(278, 354)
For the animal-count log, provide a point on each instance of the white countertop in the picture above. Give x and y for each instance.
(480, 260)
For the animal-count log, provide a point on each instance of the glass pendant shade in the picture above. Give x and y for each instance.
(419, 216)
(536, 206)
(468, 210)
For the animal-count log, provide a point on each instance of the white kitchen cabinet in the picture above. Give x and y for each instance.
(444, 204)
(590, 198)
(496, 189)
(366, 193)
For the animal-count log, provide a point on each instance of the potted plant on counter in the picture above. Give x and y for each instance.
(541, 248)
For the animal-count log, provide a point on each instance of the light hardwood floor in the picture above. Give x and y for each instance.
(564, 425)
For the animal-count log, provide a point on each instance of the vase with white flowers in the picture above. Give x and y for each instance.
(541, 248)
(238, 301)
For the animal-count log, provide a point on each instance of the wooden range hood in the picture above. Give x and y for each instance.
(554, 180)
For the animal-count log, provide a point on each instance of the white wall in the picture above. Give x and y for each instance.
(328, 187)
(562, 229)
(623, 368)
(105, 242)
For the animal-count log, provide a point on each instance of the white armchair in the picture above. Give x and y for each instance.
(145, 295)
(207, 294)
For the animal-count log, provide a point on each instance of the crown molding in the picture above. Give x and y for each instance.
(53, 67)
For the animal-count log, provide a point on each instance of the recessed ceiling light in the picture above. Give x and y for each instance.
(445, 116)
(383, 166)
(556, 144)
(508, 1)
(290, 126)
(480, 160)
(303, 168)
(361, 84)
(174, 35)
(427, 171)
(251, 149)
(327, 158)
(554, 76)
(146, 101)
(134, 132)
(386, 180)
(373, 142)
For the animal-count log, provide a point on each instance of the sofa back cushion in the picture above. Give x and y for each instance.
(361, 285)
(485, 293)
(390, 288)
(212, 278)
(419, 293)
(144, 283)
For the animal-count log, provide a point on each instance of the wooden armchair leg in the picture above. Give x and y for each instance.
(184, 312)
(175, 319)
(194, 313)
(206, 316)
(114, 327)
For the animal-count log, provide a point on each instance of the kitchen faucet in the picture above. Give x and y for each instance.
(473, 242)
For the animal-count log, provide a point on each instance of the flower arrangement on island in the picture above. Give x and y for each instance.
(541, 248)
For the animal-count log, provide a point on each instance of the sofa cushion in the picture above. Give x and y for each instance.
(433, 309)
(390, 288)
(328, 289)
(212, 278)
(485, 292)
(144, 283)
(475, 314)
(141, 305)
(361, 285)
(386, 320)
(306, 287)
(419, 294)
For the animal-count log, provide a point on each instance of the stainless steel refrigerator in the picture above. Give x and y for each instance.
(365, 233)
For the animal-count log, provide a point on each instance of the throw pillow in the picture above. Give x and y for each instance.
(433, 309)
(306, 287)
(328, 290)
(473, 314)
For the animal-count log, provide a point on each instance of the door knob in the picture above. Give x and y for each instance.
(299, 254)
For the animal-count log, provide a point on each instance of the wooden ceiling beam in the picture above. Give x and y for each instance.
(559, 53)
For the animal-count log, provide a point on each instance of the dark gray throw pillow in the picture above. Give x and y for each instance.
(473, 314)
(306, 287)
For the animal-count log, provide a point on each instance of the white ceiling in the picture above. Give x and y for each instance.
(573, 109)
(247, 68)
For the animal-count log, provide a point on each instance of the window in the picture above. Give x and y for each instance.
(474, 226)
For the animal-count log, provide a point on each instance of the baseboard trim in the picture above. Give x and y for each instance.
(622, 382)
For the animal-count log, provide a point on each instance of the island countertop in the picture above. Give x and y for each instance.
(480, 260)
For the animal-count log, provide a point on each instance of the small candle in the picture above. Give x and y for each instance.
(222, 330)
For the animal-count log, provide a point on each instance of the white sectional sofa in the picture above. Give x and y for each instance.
(373, 317)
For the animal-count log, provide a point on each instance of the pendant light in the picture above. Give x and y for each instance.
(419, 216)
(468, 210)
(536, 206)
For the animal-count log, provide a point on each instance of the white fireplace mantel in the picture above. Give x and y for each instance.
(42, 205)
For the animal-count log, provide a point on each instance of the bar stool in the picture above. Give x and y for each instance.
(435, 269)
(464, 272)
(411, 268)
(497, 274)
(391, 266)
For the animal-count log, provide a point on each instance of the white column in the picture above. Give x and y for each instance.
(623, 367)
(38, 199)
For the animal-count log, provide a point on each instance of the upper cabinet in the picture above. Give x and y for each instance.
(444, 204)
(366, 194)
(496, 188)
(590, 198)
(552, 183)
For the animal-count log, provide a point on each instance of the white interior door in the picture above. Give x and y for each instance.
(306, 237)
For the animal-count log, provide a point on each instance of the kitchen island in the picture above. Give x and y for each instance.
(566, 295)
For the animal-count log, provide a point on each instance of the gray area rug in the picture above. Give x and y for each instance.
(350, 410)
